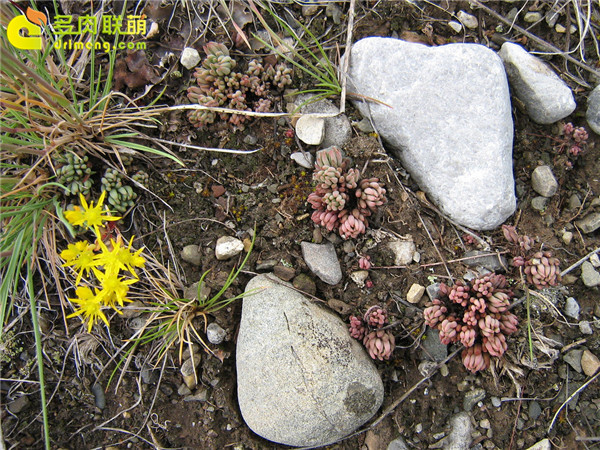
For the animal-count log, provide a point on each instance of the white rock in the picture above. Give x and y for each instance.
(567, 237)
(415, 293)
(544, 444)
(543, 181)
(322, 260)
(403, 251)
(585, 327)
(595, 260)
(450, 121)
(456, 26)
(302, 380)
(561, 28)
(532, 17)
(467, 20)
(215, 334)
(572, 308)
(589, 275)
(589, 363)
(359, 277)
(191, 253)
(546, 97)
(190, 58)
(460, 435)
(303, 159)
(338, 130)
(310, 130)
(228, 247)
(593, 110)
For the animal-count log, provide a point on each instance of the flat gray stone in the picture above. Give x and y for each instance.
(544, 444)
(589, 223)
(572, 308)
(338, 129)
(589, 275)
(494, 262)
(460, 434)
(322, 260)
(593, 110)
(302, 380)
(543, 181)
(310, 130)
(573, 358)
(450, 121)
(546, 97)
(431, 347)
(191, 254)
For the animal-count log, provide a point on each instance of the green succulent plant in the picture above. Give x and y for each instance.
(74, 173)
(120, 196)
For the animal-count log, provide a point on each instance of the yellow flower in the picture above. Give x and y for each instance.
(81, 256)
(120, 258)
(114, 289)
(89, 306)
(91, 216)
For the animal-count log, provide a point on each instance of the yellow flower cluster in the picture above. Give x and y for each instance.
(106, 262)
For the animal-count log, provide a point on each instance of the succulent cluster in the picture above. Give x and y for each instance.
(120, 196)
(379, 343)
(73, 172)
(218, 85)
(342, 200)
(541, 268)
(575, 139)
(476, 315)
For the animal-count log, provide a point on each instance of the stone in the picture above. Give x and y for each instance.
(305, 283)
(572, 308)
(593, 110)
(589, 275)
(359, 277)
(310, 130)
(585, 327)
(544, 444)
(589, 363)
(415, 293)
(284, 272)
(460, 433)
(535, 410)
(189, 58)
(485, 424)
(546, 97)
(543, 181)
(595, 260)
(302, 380)
(589, 223)
(191, 292)
(191, 254)
(303, 159)
(188, 370)
(431, 347)
(539, 203)
(19, 404)
(573, 358)
(403, 251)
(494, 263)
(532, 17)
(467, 20)
(496, 402)
(322, 260)
(450, 122)
(472, 398)
(227, 247)
(567, 237)
(215, 334)
(433, 291)
(397, 444)
(456, 26)
(338, 130)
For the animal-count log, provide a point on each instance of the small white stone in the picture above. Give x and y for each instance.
(456, 26)
(567, 237)
(544, 444)
(532, 17)
(585, 327)
(485, 424)
(595, 260)
(589, 363)
(310, 130)
(359, 277)
(467, 20)
(303, 159)
(589, 275)
(228, 247)
(190, 58)
(215, 333)
(415, 293)
(572, 308)
(403, 251)
(561, 28)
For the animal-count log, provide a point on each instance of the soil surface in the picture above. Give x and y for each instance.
(219, 194)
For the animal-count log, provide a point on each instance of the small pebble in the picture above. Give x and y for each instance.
(589, 275)
(305, 283)
(303, 159)
(595, 260)
(485, 424)
(539, 203)
(472, 398)
(215, 334)
(532, 17)
(496, 402)
(250, 139)
(585, 327)
(567, 237)
(189, 58)
(283, 272)
(467, 20)
(359, 277)
(535, 410)
(415, 293)
(227, 247)
(99, 398)
(544, 444)
(573, 358)
(589, 363)
(572, 308)
(543, 181)
(191, 254)
(310, 129)
(456, 26)
(589, 223)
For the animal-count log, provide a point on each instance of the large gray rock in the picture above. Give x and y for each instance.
(593, 110)
(302, 380)
(546, 97)
(448, 120)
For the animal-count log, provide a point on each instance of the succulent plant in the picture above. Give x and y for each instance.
(376, 316)
(342, 200)
(141, 177)
(357, 328)
(74, 173)
(120, 196)
(218, 85)
(476, 315)
(380, 344)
